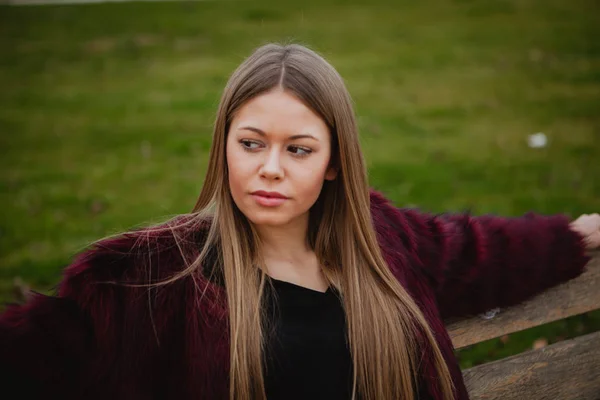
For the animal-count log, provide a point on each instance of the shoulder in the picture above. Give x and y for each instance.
(401, 235)
(143, 255)
(102, 322)
(112, 281)
(387, 218)
(380, 204)
(384, 212)
(392, 235)
(408, 224)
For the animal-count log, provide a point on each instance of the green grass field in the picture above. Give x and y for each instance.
(106, 113)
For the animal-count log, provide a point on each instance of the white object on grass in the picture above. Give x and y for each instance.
(537, 140)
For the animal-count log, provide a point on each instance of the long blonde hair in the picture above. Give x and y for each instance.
(383, 320)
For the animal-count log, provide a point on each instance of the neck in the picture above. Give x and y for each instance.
(284, 242)
(288, 256)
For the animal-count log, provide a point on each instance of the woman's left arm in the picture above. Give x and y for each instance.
(477, 263)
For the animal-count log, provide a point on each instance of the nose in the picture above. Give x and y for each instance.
(271, 167)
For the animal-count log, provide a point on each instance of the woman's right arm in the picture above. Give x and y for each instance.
(60, 345)
(44, 347)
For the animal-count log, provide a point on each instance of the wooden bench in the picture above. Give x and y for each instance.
(565, 370)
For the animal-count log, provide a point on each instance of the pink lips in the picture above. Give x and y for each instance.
(269, 199)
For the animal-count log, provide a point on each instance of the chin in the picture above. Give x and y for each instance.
(264, 219)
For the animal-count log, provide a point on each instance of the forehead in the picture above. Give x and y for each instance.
(279, 112)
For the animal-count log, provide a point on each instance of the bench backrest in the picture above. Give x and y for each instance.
(565, 370)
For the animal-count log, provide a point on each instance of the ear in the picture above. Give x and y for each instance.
(331, 173)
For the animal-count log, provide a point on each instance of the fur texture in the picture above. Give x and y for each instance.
(98, 340)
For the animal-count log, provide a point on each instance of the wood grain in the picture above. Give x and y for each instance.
(576, 296)
(564, 370)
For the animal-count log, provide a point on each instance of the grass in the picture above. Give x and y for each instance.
(106, 113)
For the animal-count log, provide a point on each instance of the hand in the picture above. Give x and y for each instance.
(588, 226)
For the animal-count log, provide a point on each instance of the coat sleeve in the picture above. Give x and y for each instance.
(43, 346)
(52, 345)
(477, 263)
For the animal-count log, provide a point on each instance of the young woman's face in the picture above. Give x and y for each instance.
(278, 153)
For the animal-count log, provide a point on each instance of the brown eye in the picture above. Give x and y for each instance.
(249, 144)
(300, 151)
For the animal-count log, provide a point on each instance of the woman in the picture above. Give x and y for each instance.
(290, 278)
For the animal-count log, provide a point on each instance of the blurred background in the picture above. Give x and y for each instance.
(106, 114)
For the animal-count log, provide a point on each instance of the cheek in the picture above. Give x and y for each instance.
(236, 170)
(311, 180)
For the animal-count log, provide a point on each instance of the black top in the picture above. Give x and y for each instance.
(307, 356)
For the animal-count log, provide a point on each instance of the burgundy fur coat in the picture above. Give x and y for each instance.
(95, 340)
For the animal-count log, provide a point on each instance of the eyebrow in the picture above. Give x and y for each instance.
(262, 133)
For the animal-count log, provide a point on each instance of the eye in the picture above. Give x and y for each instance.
(300, 151)
(249, 144)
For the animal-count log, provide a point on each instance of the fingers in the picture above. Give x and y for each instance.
(592, 241)
(587, 224)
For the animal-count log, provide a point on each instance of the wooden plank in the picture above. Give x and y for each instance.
(564, 370)
(574, 297)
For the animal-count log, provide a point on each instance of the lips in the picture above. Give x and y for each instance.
(269, 195)
(269, 199)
